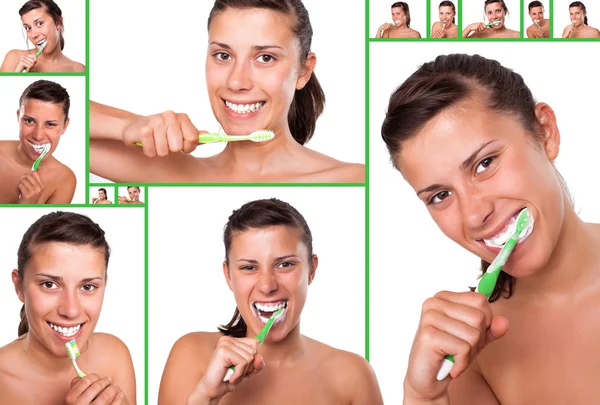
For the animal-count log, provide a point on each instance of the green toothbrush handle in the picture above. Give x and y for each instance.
(37, 54)
(205, 138)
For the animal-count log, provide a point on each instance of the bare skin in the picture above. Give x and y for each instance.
(53, 183)
(580, 31)
(543, 31)
(399, 32)
(438, 30)
(279, 160)
(101, 201)
(479, 30)
(538, 346)
(342, 377)
(27, 378)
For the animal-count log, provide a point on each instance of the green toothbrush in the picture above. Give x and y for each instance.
(261, 337)
(36, 164)
(488, 280)
(73, 352)
(493, 23)
(37, 54)
(256, 136)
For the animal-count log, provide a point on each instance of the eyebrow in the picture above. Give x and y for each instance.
(279, 258)
(468, 162)
(254, 47)
(58, 278)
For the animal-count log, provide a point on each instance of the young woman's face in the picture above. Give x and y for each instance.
(40, 28)
(40, 123)
(269, 269)
(476, 170)
(537, 14)
(62, 289)
(446, 15)
(495, 12)
(398, 16)
(577, 16)
(252, 70)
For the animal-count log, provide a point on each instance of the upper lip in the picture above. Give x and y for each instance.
(66, 326)
(269, 301)
(499, 227)
(242, 102)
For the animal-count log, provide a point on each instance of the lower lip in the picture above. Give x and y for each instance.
(245, 116)
(66, 339)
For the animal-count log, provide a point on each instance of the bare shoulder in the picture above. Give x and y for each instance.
(529, 31)
(8, 358)
(329, 170)
(75, 66)
(197, 345)
(352, 377)
(514, 34)
(595, 33)
(11, 59)
(414, 34)
(109, 350)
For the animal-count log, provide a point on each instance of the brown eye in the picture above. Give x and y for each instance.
(439, 197)
(484, 164)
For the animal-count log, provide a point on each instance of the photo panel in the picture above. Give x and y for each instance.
(402, 225)
(188, 291)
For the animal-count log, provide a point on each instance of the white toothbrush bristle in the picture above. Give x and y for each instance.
(262, 135)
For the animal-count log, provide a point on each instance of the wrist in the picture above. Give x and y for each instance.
(412, 398)
(201, 397)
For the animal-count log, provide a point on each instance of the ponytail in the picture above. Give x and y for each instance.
(236, 328)
(306, 107)
(24, 324)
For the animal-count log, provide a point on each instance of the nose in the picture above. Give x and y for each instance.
(69, 305)
(267, 282)
(240, 76)
(476, 208)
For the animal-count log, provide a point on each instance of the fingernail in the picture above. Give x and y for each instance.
(109, 379)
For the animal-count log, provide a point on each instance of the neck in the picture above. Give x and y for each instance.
(42, 360)
(52, 56)
(572, 270)
(21, 156)
(286, 351)
(260, 157)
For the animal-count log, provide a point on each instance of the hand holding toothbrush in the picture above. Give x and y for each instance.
(94, 390)
(382, 29)
(30, 188)
(242, 353)
(460, 323)
(475, 27)
(26, 63)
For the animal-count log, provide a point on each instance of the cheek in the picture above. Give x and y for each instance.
(449, 222)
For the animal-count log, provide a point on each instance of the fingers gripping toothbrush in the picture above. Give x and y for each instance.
(488, 280)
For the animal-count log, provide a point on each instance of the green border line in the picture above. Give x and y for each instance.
(87, 101)
(459, 20)
(551, 17)
(522, 13)
(146, 297)
(428, 19)
(367, 138)
(232, 184)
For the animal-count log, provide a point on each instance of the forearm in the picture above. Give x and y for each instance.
(108, 122)
(466, 32)
(200, 399)
(411, 399)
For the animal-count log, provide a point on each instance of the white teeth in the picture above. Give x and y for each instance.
(502, 237)
(68, 332)
(244, 108)
(270, 307)
(39, 148)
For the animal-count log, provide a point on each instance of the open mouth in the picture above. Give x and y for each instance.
(244, 108)
(42, 42)
(39, 148)
(264, 310)
(500, 239)
(66, 331)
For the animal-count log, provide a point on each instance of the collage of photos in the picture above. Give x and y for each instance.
(242, 208)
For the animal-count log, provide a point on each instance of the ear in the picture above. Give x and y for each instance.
(66, 125)
(227, 275)
(313, 270)
(306, 71)
(547, 119)
(18, 115)
(17, 283)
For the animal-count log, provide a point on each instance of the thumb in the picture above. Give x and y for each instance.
(75, 381)
(498, 328)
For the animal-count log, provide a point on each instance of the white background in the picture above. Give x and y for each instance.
(14, 36)
(123, 193)
(110, 194)
(187, 289)
(410, 257)
(71, 147)
(381, 12)
(123, 309)
(562, 17)
(151, 59)
(473, 12)
(435, 12)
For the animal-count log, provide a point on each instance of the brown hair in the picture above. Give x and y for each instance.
(51, 92)
(447, 3)
(445, 82)
(257, 215)
(534, 4)
(62, 227)
(405, 10)
(580, 4)
(308, 103)
(52, 9)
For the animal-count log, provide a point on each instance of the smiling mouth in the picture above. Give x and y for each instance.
(264, 311)
(244, 108)
(42, 42)
(39, 148)
(500, 239)
(65, 331)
